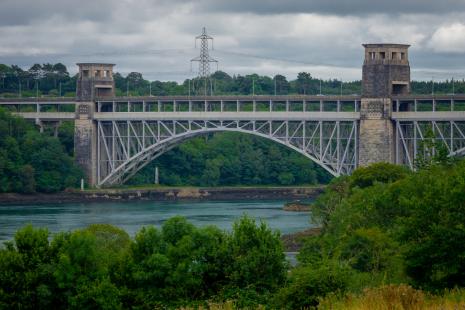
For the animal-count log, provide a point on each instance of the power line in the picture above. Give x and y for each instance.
(288, 60)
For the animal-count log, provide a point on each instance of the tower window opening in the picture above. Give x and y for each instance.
(402, 56)
(382, 55)
(371, 55)
(85, 73)
(395, 56)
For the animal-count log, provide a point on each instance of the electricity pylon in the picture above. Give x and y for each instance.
(204, 59)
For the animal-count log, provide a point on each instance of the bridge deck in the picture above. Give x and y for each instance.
(429, 116)
(298, 107)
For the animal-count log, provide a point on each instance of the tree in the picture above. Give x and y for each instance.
(307, 285)
(282, 85)
(432, 152)
(433, 229)
(303, 82)
(25, 270)
(26, 176)
(258, 261)
(32, 161)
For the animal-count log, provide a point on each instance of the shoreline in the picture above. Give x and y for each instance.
(294, 241)
(165, 194)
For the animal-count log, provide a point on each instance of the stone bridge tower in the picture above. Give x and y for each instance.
(95, 81)
(386, 72)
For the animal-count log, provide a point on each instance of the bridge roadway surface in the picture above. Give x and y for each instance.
(420, 108)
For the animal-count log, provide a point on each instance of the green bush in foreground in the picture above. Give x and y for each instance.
(394, 226)
(100, 267)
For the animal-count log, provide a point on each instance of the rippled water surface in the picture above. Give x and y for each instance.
(131, 216)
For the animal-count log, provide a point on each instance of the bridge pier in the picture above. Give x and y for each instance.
(95, 81)
(85, 141)
(376, 132)
(386, 72)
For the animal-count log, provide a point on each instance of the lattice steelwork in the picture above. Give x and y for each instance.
(410, 134)
(124, 147)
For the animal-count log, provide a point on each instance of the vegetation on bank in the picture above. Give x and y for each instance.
(55, 80)
(31, 161)
(390, 239)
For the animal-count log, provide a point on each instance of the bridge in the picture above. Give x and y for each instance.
(117, 136)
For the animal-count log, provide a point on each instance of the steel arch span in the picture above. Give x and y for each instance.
(126, 146)
(412, 134)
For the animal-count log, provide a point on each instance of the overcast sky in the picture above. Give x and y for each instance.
(156, 37)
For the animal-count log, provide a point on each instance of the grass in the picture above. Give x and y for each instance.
(228, 305)
(396, 297)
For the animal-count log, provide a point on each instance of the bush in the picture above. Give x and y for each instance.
(257, 257)
(307, 285)
(433, 231)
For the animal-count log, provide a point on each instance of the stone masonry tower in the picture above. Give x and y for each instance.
(386, 72)
(95, 81)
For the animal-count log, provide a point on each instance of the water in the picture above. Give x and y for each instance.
(131, 216)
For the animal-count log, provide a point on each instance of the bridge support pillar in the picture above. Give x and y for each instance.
(376, 133)
(85, 141)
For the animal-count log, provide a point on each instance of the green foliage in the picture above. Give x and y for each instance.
(379, 172)
(100, 267)
(389, 225)
(25, 270)
(307, 285)
(258, 260)
(432, 152)
(226, 159)
(54, 80)
(434, 228)
(369, 250)
(30, 161)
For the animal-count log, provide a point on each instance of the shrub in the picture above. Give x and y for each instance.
(306, 285)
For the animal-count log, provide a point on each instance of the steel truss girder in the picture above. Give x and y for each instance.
(410, 135)
(124, 147)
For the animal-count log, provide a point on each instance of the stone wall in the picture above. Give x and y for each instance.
(85, 142)
(377, 79)
(376, 132)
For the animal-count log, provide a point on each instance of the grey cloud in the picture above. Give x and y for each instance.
(156, 38)
(337, 7)
(24, 12)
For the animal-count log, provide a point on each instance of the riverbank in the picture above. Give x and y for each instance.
(293, 242)
(166, 194)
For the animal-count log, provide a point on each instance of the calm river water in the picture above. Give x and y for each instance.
(131, 216)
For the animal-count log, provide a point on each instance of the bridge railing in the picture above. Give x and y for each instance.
(232, 104)
(429, 103)
(33, 105)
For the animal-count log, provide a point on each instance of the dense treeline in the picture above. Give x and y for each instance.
(54, 80)
(31, 161)
(47, 79)
(100, 267)
(232, 159)
(385, 231)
